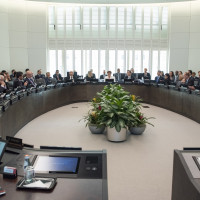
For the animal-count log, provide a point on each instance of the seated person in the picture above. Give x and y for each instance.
(93, 73)
(167, 79)
(71, 77)
(109, 76)
(39, 74)
(190, 82)
(19, 82)
(30, 80)
(176, 77)
(48, 79)
(171, 76)
(146, 75)
(133, 74)
(58, 76)
(118, 76)
(128, 75)
(3, 87)
(180, 81)
(90, 76)
(13, 75)
(103, 75)
(159, 78)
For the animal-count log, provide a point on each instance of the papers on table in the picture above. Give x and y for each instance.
(38, 184)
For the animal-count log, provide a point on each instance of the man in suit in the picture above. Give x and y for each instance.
(146, 75)
(58, 76)
(159, 78)
(30, 80)
(39, 74)
(189, 80)
(103, 75)
(133, 74)
(13, 75)
(19, 82)
(71, 77)
(3, 87)
(128, 75)
(118, 76)
(48, 79)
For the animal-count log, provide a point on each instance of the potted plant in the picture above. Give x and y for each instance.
(138, 123)
(92, 118)
(116, 107)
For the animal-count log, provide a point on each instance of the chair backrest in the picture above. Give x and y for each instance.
(40, 81)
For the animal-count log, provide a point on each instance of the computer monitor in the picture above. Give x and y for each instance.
(56, 164)
(110, 80)
(3, 144)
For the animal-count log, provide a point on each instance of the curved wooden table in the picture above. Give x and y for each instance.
(30, 107)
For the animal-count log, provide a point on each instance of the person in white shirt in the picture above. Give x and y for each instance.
(109, 76)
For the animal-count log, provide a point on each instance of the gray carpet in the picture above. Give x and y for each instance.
(139, 168)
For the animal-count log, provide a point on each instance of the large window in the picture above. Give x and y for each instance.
(108, 37)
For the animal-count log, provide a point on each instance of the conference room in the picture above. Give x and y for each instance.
(99, 100)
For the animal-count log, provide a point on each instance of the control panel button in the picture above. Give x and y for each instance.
(94, 168)
(88, 168)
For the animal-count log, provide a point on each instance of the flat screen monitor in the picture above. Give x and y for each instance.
(110, 80)
(2, 148)
(56, 164)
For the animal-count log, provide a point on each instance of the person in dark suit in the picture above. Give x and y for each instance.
(167, 79)
(118, 76)
(19, 82)
(30, 80)
(103, 75)
(39, 74)
(128, 75)
(13, 75)
(71, 77)
(58, 76)
(3, 87)
(133, 74)
(48, 79)
(190, 81)
(159, 78)
(90, 76)
(146, 75)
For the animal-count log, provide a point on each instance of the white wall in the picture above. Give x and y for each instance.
(26, 36)
(185, 36)
(23, 35)
(4, 37)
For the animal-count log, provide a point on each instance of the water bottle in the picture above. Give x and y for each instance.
(26, 162)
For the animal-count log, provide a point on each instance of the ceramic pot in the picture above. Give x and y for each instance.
(96, 129)
(137, 130)
(114, 136)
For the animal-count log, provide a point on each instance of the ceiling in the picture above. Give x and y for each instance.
(109, 1)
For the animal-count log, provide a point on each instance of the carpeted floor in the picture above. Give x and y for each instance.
(139, 168)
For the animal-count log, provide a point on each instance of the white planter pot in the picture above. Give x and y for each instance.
(114, 136)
